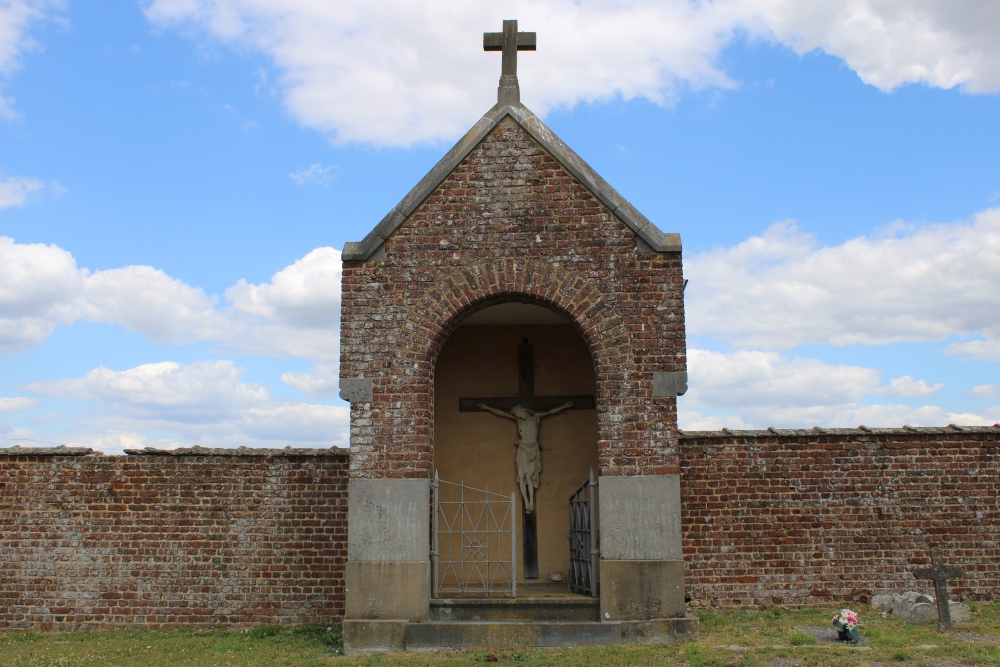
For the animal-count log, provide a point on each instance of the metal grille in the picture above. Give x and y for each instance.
(583, 552)
(475, 545)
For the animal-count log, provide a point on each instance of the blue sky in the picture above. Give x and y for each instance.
(178, 177)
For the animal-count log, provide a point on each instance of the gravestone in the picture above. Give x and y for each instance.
(940, 575)
(511, 215)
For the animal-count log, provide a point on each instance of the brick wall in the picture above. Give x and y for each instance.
(231, 537)
(829, 517)
(511, 223)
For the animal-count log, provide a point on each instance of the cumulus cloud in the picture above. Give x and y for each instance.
(891, 43)
(756, 389)
(986, 390)
(782, 289)
(203, 403)
(415, 72)
(297, 313)
(323, 380)
(907, 386)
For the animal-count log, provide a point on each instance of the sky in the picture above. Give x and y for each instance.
(178, 178)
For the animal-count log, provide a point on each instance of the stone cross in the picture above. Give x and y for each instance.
(940, 575)
(510, 41)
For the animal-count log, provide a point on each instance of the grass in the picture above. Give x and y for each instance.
(771, 638)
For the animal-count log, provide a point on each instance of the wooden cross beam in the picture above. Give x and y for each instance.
(940, 575)
(510, 41)
(526, 391)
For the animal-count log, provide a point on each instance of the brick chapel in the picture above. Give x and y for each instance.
(512, 277)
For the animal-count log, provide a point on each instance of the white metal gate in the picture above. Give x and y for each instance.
(474, 542)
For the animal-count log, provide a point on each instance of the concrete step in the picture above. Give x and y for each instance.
(468, 634)
(578, 609)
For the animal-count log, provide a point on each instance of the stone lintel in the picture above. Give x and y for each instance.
(388, 520)
(356, 390)
(665, 384)
(640, 518)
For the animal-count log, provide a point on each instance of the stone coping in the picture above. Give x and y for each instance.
(197, 450)
(950, 429)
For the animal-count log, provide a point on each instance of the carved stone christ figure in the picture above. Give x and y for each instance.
(529, 462)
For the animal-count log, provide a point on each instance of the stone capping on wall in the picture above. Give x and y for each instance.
(950, 429)
(61, 450)
(197, 450)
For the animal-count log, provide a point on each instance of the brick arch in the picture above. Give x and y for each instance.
(438, 313)
(468, 290)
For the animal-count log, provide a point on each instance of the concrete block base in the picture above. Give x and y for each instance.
(377, 590)
(371, 636)
(642, 590)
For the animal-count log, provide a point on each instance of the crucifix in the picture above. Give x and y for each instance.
(510, 41)
(527, 410)
(940, 575)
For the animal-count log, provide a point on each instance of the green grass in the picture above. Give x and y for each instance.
(770, 638)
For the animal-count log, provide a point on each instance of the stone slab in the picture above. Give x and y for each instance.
(633, 590)
(356, 390)
(641, 518)
(660, 631)
(388, 520)
(673, 383)
(430, 636)
(368, 636)
(377, 590)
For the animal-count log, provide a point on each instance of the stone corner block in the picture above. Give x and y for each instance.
(387, 590)
(388, 520)
(356, 390)
(666, 384)
(641, 518)
(642, 590)
(374, 636)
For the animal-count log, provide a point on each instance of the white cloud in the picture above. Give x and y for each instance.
(17, 404)
(754, 389)
(203, 403)
(414, 72)
(323, 380)
(986, 390)
(314, 174)
(16, 16)
(15, 190)
(781, 289)
(39, 290)
(297, 313)
(890, 43)
(907, 386)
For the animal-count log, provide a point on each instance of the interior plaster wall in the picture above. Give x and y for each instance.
(478, 447)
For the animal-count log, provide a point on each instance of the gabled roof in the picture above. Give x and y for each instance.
(651, 238)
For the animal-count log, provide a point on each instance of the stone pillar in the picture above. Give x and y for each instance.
(388, 562)
(642, 570)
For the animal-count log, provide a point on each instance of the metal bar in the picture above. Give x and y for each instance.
(512, 575)
(436, 487)
(590, 540)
